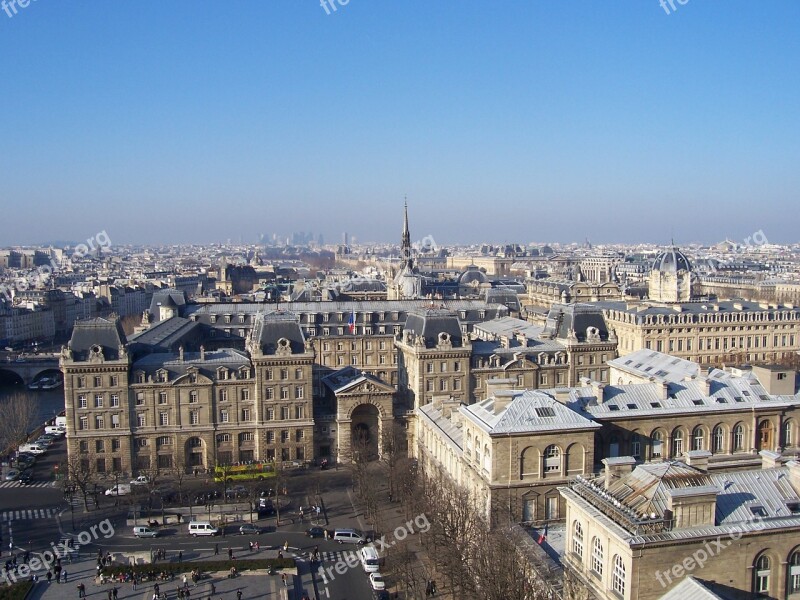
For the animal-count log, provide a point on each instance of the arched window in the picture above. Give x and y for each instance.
(761, 586)
(529, 465)
(487, 459)
(718, 442)
(618, 576)
(597, 556)
(677, 443)
(552, 459)
(738, 437)
(477, 451)
(794, 573)
(658, 440)
(698, 439)
(788, 438)
(577, 539)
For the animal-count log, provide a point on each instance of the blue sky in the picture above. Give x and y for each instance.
(501, 121)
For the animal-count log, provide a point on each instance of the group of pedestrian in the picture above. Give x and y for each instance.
(254, 546)
(430, 589)
(113, 593)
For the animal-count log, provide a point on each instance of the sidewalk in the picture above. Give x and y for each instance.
(252, 585)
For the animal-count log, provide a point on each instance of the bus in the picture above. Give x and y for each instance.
(251, 472)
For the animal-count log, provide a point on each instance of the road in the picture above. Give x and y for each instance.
(35, 516)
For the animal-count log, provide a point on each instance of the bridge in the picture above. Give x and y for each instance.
(28, 368)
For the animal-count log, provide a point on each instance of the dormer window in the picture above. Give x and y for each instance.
(244, 373)
(222, 373)
(241, 318)
(213, 318)
(161, 376)
(227, 318)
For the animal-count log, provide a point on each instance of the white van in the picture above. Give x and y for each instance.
(55, 430)
(370, 559)
(61, 422)
(144, 532)
(202, 528)
(349, 536)
(35, 449)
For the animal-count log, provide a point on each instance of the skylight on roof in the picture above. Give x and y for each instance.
(738, 399)
(655, 404)
(545, 411)
(721, 401)
(632, 406)
(613, 407)
(758, 510)
(648, 369)
(698, 402)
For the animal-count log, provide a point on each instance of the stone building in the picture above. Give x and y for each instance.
(675, 530)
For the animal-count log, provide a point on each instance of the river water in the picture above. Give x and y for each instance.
(50, 402)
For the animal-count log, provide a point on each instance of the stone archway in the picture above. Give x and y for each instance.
(195, 453)
(365, 431)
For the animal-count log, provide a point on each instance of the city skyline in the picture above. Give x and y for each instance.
(617, 123)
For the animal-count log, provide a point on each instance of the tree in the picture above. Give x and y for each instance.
(81, 474)
(18, 414)
(130, 322)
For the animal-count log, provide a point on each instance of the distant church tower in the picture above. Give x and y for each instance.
(407, 285)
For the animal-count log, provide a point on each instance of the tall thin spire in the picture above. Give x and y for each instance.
(405, 246)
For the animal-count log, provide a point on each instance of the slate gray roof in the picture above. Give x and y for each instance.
(430, 322)
(728, 393)
(169, 297)
(348, 377)
(693, 310)
(452, 432)
(269, 328)
(647, 488)
(578, 317)
(170, 361)
(742, 491)
(649, 363)
(108, 335)
(690, 589)
(527, 411)
(165, 335)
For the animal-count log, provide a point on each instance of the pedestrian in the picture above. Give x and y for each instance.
(64, 575)
(180, 558)
(81, 590)
(286, 546)
(230, 553)
(156, 589)
(213, 589)
(283, 578)
(280, 554)
(114, 592)
(134, 582)
(110, 594)
(216, 549)
(238, 594)
(49, 576)
(185, 581)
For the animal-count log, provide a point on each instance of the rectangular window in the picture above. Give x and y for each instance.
(245, 394)
(114, 400)
(163, 418)
(270, 437)
(223, 416)
(284, 374)
(162, 397)
(115, 422)
(270, 415)
(82, 401)
(81, 382)
(298, 392)
(269, 393)
(139, 398)
(83, 423)
(98, 400)
(284, 393)
(193, 397)
(98, 381)
(194, 417)
(114, 381)
(299, 435)
(284, 436)
(99, 422)
(141, 420)
(115, 445)
(245, 414)
(299, 412)
(298, 373)
(284, 412)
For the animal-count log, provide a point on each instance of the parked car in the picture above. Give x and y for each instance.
(12, 475)
(144, 532)
(34, 449)
(237, 491)
(44, 442)
(315, 532)
(56, 430)
(377, 582)
(26, 477)
(25, 460)
(249, 529)
(120, 489)
(140, 480)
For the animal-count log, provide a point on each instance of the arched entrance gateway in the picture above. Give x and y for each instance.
(365, 432)
(195, 453)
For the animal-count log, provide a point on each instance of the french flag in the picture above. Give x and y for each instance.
(351, 322)
(543, 535)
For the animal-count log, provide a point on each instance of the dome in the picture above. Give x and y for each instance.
(472, 275)
(672, 260)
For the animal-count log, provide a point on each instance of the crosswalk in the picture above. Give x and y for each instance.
(28, 514)
(16, 484)
(326, 556)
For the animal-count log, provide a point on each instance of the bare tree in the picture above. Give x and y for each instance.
(81, 474)
(130, 322)
(18, 414)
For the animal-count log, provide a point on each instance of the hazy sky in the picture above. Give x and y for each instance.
(501, 121)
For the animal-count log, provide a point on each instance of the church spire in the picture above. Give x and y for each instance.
(405, 246)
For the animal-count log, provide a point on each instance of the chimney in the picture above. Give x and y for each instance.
(598, 389)
(180, 353)
(693, 506)
(617, 468)
(202, 352)
(769, 459)
(698, 459)
(794, 475)
(502, 399)
(663, 390)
